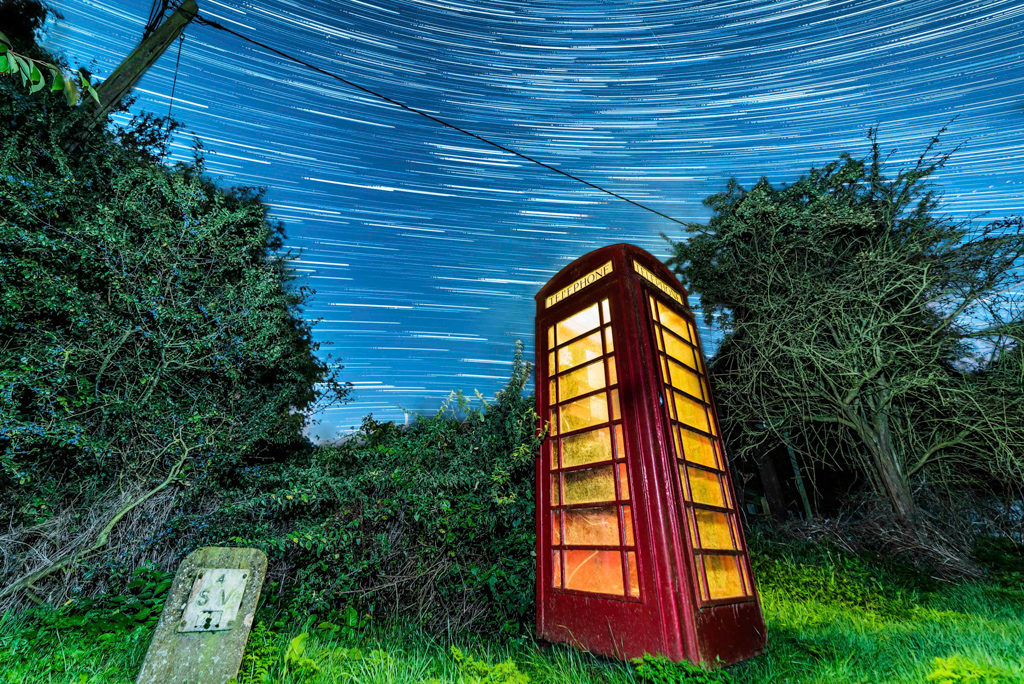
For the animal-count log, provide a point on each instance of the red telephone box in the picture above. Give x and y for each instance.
(639, 545)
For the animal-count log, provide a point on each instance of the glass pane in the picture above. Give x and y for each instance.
(689, 412)
(583, 413)
(627, 523)
(551, 363)
(723, 577)
(693, 333)
(616, 414)
(697, 448)
(580, 381)
(608, 340)
(554, 456)
(684, 379)
(634, 581)
(597, 571)
(577, 324)
(580, 351)
(593, 446)
(555, 496)
(598, 526)
(552, 395)
(556, 565)
(551, 336)
(704, 486)
(674, 322)
(714, 529)
(613, 376)
(606, 310)
(556, 528)
(589, 485)
(623, 482)
(680, 351)
(620, 450)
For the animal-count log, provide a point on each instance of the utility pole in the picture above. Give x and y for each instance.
(124, 78)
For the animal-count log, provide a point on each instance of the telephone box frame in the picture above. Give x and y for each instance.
(668, 617)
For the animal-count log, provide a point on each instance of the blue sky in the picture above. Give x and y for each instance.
(426, 247)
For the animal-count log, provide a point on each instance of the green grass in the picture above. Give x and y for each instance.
(831, 618)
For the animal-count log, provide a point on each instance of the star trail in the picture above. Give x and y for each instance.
(426, 246)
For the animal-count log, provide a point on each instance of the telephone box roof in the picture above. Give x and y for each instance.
(619, 255)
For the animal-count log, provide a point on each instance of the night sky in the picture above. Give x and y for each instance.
(426, 247)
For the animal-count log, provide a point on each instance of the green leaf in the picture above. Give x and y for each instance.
(58, 80)
(71, 92)
(37, 79)
(4, 38)
(5, 64)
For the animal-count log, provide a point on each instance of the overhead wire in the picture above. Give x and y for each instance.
(436, 119)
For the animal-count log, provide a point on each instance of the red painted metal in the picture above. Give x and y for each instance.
(669, 616)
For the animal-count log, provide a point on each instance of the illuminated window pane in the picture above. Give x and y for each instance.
(714, 529)
(554, 456)
(689, 412)
(627, 523)
(704, 486)
(596, 571)
(613, 375)
(593, 446)
(684, 379)
(723, 577)
(556, 528)
(616, 414)
(580, 351)
(551, 336)
(552, 394)
(702, 586)
(606, 310)
(556, 565)
(609, 345)
(634, 580)
(590, 485)
(580, 381)
(697, 449)
(620, 449)
(583, 413)
(680, 351)
(551, 363)
(674, 322)
(597, 526)
(623, 481)
(555, 495)
(577, 324)
(693, 333)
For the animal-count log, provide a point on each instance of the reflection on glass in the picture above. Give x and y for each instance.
(689, 412)
(684, 379)
(593, 446)
(697, 448)
(583, 413)
(680, 351)
(577, 324)
(714, 529)
(593, 570)
(597, 526)
(723, 577)
(582, 350)
(580, 381)
(627, 525)
(590, 485)
(704, 486)
(634, 581)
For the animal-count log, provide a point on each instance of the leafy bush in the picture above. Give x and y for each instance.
(433, 523)
(661, 670)
(150, 336)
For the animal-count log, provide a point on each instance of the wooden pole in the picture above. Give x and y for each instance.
(124, 78)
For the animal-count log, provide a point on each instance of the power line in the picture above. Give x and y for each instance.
(216, 25)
